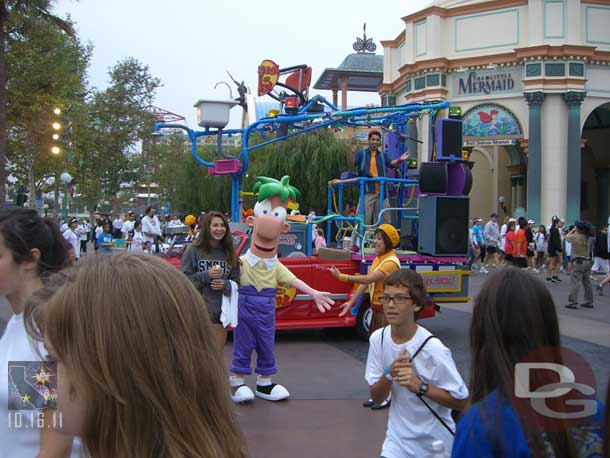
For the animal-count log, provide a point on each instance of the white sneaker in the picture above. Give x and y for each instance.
(241, 393)
(273, 392)
(536, 271)
(484, 270)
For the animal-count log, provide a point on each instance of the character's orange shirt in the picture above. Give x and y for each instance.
(520, 245)
(387, 263)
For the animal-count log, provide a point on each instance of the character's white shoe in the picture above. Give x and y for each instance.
(241, 393)
(272, 392)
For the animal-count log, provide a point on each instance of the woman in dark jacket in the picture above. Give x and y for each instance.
(211, 262)
(554, 261)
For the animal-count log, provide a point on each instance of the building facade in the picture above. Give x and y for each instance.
(532, 78)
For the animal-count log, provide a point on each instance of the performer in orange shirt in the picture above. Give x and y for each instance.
(386, 262)
(520, 245)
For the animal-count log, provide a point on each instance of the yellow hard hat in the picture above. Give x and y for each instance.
(189, 220)
(391, 232)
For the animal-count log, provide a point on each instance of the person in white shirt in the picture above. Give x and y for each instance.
(503, 229)
(408, 361)
(99, 229)
(72, 236)
(83, 230)
(136, 243)
(128, 226)
(30, 248)
(117, 225)
(151, 228)
(175, 222)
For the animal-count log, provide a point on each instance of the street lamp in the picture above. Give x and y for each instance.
(65, 178)
(45, 207)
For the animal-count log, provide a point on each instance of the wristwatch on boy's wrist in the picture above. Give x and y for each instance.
(423, 389)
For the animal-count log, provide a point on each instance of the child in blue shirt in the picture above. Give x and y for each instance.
(105, 239)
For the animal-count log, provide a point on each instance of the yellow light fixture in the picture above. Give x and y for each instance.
(57, 111)
(56, 126)
(55, 150)
(55, 137)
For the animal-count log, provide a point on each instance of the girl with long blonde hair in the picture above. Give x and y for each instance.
(138, 371)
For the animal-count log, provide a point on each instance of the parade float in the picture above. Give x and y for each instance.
(428, 201)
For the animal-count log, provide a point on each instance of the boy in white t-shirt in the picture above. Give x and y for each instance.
(417, 368)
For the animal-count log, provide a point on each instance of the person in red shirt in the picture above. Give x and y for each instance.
(510, 242)
(520, 245)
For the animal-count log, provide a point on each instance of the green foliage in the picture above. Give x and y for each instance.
(311, 160)
(54, 65)
(118, 119)
(198, 191)
(17, 18)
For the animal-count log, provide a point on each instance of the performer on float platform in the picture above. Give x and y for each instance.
(261, 273)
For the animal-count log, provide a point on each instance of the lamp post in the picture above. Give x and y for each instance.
(65, 178)
(45, 207)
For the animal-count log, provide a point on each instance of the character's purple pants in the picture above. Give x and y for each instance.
(255, 331)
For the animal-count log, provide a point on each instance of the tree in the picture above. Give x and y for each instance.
(119, 119)
(197, 190)
(55, 64)
(311, 160)
(13, 15)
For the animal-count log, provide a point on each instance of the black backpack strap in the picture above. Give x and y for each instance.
(422, 346)
(421, 398)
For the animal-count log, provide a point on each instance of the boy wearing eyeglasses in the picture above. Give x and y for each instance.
(406, 360)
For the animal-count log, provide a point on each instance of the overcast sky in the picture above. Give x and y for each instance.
(189, 44)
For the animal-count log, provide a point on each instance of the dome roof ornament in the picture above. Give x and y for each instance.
(364, 44)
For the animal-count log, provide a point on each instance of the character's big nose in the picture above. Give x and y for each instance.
(269, 226)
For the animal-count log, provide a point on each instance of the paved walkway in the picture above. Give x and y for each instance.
(590, 325)
(324, 416)
(324, 371)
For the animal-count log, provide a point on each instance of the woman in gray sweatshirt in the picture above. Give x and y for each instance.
(210, 262)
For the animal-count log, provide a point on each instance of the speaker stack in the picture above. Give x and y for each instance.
(444, 203)
(443, 225)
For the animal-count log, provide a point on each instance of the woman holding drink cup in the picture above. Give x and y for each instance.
(211, 263)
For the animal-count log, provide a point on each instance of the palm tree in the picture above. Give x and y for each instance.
(10, 11)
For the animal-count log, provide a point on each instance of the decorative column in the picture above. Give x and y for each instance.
(534, 155)
(335, 90)
(573, 99)
(343, 92)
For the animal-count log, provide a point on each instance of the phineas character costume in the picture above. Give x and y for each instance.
(260, 275)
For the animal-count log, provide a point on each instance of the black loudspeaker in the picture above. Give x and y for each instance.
(433, 178)
(449, 140)
(443, 225)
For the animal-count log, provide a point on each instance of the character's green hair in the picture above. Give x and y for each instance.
(269, 187)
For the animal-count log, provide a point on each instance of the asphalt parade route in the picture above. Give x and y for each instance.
(324, 372)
